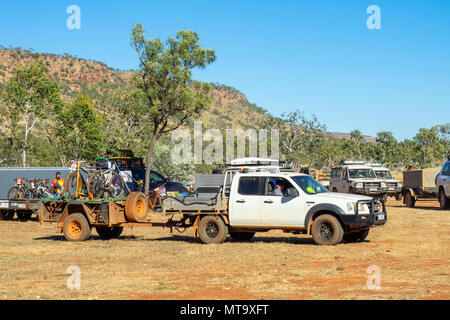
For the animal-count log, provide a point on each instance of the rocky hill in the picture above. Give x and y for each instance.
(230, 108)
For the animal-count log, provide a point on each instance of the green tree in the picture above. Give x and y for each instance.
(32, 96)
(430, 147)
(80, 135)
(165, 79)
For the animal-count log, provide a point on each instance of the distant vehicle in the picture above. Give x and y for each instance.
(393, 186)
(322, 175)
(443, 185)
(132, 170)
(419, 185)
(355, 176)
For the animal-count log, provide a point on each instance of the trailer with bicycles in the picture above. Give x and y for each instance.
(244, 203)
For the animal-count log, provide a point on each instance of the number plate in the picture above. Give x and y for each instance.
(381, 217)
(391, 188)
(373, 189)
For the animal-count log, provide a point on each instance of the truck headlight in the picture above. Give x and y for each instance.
(359, 185)
(351, 206)
(399, 185)
(383, 185)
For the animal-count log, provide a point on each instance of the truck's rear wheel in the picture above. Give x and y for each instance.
(357, 236)
(443, 201)
(409, 200)
(76, 227)
(136, 207)
(107, 233)
(242, 236)
(212, 229)
(327, 230)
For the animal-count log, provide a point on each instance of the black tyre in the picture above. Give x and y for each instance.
(409, 200)
(96, 185)
(23, 216)
(212, 229)
(7, 215)
(357, 236)
(116, 186)
(327, 230)
(107, 233)
(443, 201)
(76, 227)
(242, 236)
(334, 190)
(72, 188)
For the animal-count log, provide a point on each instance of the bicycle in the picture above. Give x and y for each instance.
(106, 179)
(76, 185)
(41, 190)
(19, 190)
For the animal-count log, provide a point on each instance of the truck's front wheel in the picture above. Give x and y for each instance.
(76, 227)
(327, 230)
(212, 229)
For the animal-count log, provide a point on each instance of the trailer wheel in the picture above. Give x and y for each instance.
(212, 229)
(136, 207)
(358, 236)
(443, 201)
(409, 200)
(327, 230)
(107, 233)
(76, 227)
(7, 215)
(242, 236)
(24, 216)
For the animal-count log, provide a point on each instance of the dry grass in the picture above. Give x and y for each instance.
(149, 263)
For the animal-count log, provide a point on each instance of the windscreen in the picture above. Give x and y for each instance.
(361, 173)
(383, 174)
(309, 185)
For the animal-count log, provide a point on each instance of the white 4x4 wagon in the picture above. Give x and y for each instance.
(443, 186)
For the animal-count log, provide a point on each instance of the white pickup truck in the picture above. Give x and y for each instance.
(257, 198)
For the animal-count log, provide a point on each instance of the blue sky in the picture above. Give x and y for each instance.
(315, 56)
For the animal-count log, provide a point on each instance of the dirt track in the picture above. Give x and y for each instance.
(412, 251)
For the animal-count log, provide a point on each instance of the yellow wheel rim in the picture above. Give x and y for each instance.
(74, 229)
(140, 207)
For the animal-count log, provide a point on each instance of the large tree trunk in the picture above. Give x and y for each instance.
(148, 163)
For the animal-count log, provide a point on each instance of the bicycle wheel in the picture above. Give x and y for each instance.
(116, 186)
(96, 184)
(13, 193)
(75, 188)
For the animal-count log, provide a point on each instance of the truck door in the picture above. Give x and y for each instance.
(245, 201)
(281, 210)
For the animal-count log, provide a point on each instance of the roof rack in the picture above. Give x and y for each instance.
(375, 164)
(347, 162)
(254, 162)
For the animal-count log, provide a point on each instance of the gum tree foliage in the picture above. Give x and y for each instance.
(81, 133)
(165, 80)
(32, 96)
(300, 137)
